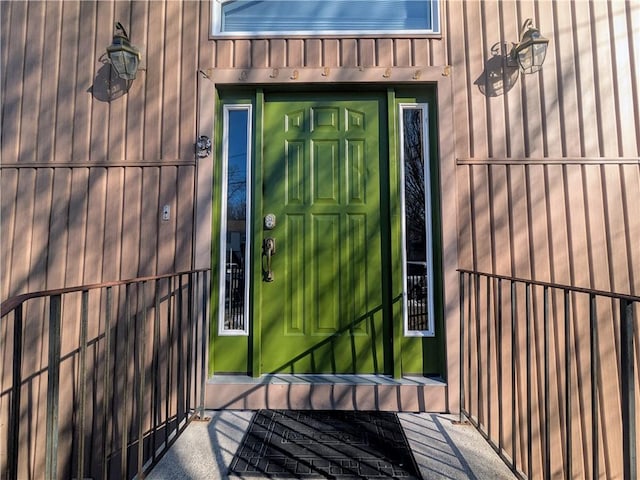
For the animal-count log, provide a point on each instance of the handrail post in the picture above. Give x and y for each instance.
(628, 391)
(462, 399)
(514, 452)
(528, 379)
(106, 383)
(181, 411)
(14, 412)
(124, 434)
(480, 403)
(53, 387)
(82, 380)
(547, 405)
(141, 341)
(567, 386)
(593, 347)
(488, 315)
(205, 336)
(190, 342)
(499, 365)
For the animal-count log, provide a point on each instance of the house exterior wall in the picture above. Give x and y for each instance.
(546, 174)
(566, 136)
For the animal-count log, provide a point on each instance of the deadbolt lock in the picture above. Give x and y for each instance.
(269, 221)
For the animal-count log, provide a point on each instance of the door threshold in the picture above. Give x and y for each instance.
(326, 392)
(324, 379)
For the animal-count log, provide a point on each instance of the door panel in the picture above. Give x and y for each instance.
(322, 313)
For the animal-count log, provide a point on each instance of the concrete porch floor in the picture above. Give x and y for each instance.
(441, 449)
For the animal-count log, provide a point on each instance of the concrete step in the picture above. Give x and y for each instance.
(326, 392)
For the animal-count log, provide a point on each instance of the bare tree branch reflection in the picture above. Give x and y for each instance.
(414, 185)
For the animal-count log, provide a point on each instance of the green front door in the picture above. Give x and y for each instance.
(322, 310)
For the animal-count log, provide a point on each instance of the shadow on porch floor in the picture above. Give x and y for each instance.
(441, 449)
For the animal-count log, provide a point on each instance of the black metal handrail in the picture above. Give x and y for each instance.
(124, 368)
(491, 325)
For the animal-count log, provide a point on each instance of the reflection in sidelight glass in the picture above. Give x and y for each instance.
(235, 227)
(416, 222)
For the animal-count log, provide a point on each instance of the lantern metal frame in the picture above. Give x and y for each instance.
(123, 56)
(530, 39)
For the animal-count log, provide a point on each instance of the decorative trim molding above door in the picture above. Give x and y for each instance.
(305, 75)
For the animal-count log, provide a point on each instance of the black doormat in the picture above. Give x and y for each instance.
(324, 444)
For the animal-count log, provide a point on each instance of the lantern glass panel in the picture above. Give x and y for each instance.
(539, 53)
(525, 58)
(125, 64)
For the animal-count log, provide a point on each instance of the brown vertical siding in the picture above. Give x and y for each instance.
(326, 52)
(579, 105)
(82, 225)
(568, 224)
(548, 170)
(78, 203)
(55, 103)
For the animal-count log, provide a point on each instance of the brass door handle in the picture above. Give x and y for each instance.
(268, 250)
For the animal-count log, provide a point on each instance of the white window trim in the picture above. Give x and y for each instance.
(216, 27)
(223, 227)
(430, 332)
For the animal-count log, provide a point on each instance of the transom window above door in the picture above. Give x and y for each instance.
(324, 17)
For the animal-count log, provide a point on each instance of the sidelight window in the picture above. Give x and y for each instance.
(417, 256)
(235, 205)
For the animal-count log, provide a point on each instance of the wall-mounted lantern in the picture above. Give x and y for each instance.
(124, 57)
(531, 50)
